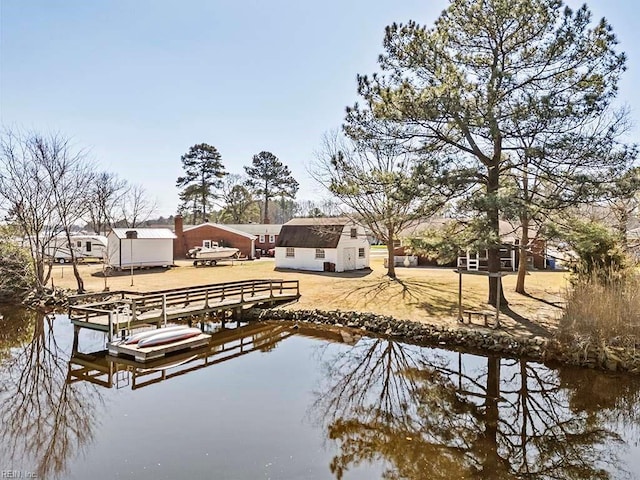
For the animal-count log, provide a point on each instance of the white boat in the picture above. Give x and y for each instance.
(133, 339)
(168, 337)
(212, 253)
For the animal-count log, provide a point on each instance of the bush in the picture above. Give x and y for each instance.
(16, 273)
(603, 312)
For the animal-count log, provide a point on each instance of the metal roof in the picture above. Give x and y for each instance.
(257, 228)
(221, 227)
(147, 233)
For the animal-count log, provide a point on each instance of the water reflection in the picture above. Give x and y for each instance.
(44, 418)
(411, 412)
(435, 414)
(226, 344)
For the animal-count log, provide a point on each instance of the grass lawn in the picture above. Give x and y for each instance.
(420, 294)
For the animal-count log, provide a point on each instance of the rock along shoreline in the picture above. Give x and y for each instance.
(481, 340)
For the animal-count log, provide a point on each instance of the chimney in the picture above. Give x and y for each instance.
(179, 249)
(178, 226)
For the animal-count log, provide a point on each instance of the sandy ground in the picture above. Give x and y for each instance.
(420, 294)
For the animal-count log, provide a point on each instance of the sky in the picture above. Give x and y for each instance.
(137, 82)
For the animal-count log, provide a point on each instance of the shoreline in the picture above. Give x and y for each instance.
(548, 351)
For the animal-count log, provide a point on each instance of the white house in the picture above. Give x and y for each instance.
(140, 247)
(322, 244)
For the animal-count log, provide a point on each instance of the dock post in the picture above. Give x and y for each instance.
(110, 326)
(270, 288)
(164, 309)
(76, 331)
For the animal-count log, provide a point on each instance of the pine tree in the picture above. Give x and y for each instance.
(203, 169)
(270, 178)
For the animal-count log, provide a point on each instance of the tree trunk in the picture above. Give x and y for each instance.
(266, 210)
(493, 256)
(522, 260)
(391, 265)
(74, 264)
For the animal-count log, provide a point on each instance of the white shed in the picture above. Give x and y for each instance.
(140, 247)
(322, 244)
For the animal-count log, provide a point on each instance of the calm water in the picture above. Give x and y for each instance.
(271, 402)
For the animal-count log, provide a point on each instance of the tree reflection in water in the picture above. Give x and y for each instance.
(46, 420)
(431, 414)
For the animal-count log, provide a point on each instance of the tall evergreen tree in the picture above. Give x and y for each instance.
(270, 178)
(481, 80)
(203, 169)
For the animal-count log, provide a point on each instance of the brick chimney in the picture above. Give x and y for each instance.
(178, 243)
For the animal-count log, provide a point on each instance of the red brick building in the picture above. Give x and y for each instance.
(207, 234)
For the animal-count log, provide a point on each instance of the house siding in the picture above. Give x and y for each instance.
(305, 257)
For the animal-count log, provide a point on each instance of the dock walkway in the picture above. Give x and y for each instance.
(113, 312)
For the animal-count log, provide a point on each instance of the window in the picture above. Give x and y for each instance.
(261, 239)
(206, 243)
(88, 247)
(272, 239)
(291, 252)
(354, 233)
(361, 253)
(79, 244)
(319, 252)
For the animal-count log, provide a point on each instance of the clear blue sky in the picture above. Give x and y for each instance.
(139, 81)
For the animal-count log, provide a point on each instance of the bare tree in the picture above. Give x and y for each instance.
(105, 195)
(135, 206)
(379, 181)
(71, 176)
(27, 196)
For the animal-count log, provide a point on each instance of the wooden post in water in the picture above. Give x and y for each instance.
(76, 331)
(110, 326)
(164, 309)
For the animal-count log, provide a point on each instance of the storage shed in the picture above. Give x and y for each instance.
(322, 244)
(140, 247)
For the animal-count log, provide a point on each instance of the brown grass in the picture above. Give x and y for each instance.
(420, 294)
(603, 313)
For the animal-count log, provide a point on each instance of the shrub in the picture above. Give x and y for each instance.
(16, 273)
(603, 312)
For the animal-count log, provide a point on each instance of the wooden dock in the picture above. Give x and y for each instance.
(142, 354)
(104, 369)
(115, 312)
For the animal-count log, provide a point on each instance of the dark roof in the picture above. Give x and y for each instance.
(342, 221)
(309, 236)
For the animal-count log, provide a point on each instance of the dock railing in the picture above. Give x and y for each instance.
(157, 306)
